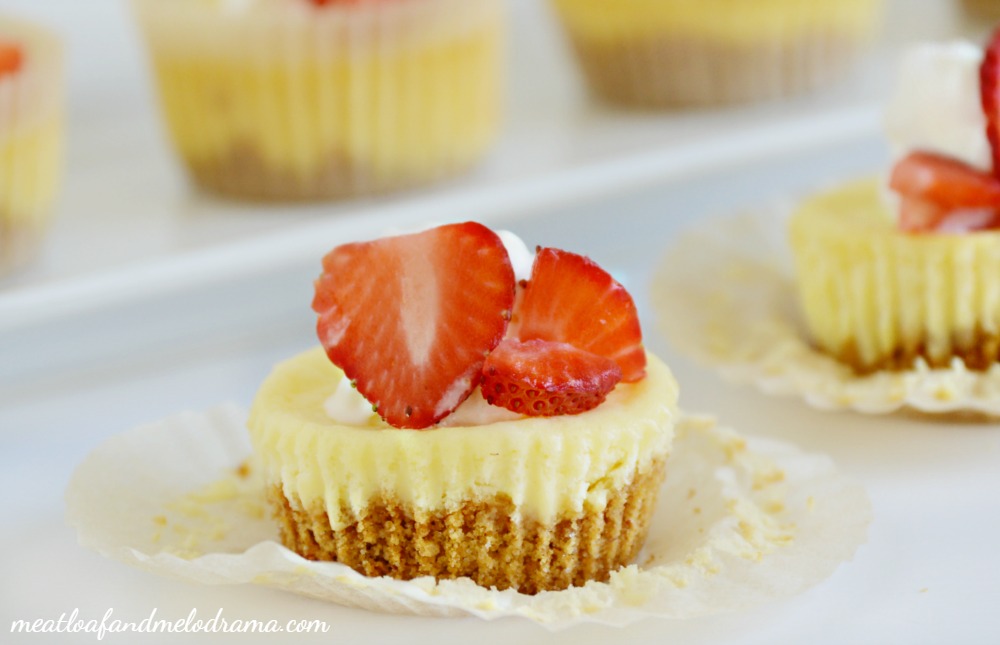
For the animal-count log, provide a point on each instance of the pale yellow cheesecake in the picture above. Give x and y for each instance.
(31, 134)
(703, 52)
(531, 503)
(878, 298)
(293, 99)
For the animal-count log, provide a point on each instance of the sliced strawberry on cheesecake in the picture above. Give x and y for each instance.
(570, 299)
(575, 335)
(947, 195)
(411, 319)
(11, 58)
(944, 181)
(543, 378)
(989, 93)
(939, 191)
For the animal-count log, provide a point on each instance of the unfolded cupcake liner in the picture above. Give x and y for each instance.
(287, 100)
(725, 294)
(31, 113)
(656, 53)
(739, 521)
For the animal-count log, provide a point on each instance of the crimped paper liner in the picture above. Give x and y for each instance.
(725, 294)
(739, 521)
(287, 100)
(682, 67)
(31, 107)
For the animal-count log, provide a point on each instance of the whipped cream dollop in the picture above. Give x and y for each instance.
(936, 105)
(521, 258)
(347, 406)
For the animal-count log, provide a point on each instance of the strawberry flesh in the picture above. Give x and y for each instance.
(944, 194)
(919, 215)
(411, 318)
(544, 378)
(944, 181)
(989, 89)
(569, 299)
(11, 58)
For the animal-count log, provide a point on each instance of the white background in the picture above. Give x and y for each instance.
(152, 299)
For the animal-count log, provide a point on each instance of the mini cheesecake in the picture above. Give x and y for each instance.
(307, 100)
(878, 298)
(653, 53)
(535, 503)
(31, 137)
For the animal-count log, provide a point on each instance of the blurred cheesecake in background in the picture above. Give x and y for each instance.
(665, 53)
(31, 114)
(987, 9)
(898, 273)
(981, 14)
(321, 99)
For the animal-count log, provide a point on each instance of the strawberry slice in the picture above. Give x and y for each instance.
(989, 91)
(569, 299)
(11, 58)
(411, 318)
(542, 378)
(944, 181)
(919, 215)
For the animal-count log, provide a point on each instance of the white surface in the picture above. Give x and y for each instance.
(126, 207)
(152, 300)
(922, 578)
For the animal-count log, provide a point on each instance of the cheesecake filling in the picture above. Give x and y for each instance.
(878, 299)
(548, 467)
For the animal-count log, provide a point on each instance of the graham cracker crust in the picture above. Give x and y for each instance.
(243, 173)
(674, 71)
(979, 350)
(481, 540)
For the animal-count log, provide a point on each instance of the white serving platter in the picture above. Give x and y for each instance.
(128, 222)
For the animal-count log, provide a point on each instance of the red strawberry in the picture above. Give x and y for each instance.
(989, 90)
(411, 318)
(542, 379)
(569, 299)
(944, 181)
(10, 58)
(919, 215)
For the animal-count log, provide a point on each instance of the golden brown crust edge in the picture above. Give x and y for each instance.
(676, 71)
(979, 350)
(481, 540)
(243, 173)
